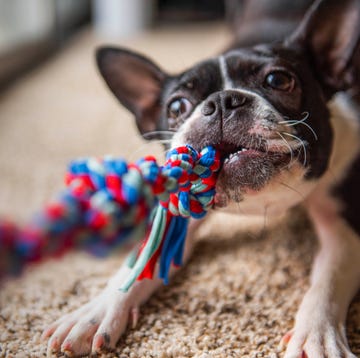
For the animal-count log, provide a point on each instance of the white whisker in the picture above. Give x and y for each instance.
(150, 135)
(288, 145)
(303, 144)
(294, 122)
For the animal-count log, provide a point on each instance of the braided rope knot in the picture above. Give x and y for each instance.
(185, 185)
(196, 177)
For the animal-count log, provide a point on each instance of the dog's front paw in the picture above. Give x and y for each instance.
(316, 340)
(94, 327)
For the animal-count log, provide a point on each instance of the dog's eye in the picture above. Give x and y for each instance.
(281, 81)
(179, 107)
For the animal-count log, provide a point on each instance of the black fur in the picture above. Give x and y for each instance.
(348, 191)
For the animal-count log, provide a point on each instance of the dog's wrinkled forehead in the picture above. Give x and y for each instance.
(200, 81)
(242, 69)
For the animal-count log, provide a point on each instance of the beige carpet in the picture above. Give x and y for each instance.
(238, 295)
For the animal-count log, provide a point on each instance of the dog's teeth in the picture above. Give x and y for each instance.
(241, 150)
(233, 156)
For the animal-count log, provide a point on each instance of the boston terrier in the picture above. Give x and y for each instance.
(280, 106)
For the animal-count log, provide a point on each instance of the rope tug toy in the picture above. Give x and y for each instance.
(108, 201)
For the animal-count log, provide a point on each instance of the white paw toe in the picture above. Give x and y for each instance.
(79, 339)
(111, 327)
(316, 343)
(92, 328)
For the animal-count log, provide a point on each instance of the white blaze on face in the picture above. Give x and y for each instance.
(227, 83)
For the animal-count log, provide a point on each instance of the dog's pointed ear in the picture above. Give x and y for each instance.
(330, 34)
(136, 82)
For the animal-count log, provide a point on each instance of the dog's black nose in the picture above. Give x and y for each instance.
(224, 101)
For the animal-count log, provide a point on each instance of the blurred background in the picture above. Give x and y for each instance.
(32, 30)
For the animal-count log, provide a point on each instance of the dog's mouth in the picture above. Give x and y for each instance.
(231, 153)
(247, 168)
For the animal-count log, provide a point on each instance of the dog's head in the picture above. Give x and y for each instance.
(265, 108)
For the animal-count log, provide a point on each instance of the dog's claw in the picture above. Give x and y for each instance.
(313, 344)
(101, 342)
(48, 332)
(285, 340)
(54, 346)
(67, 348)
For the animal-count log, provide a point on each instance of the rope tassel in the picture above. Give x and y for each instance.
(109, 201)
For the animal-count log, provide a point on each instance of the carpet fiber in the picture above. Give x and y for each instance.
(240, 292)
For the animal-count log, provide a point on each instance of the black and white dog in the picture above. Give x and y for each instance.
(272, 105)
